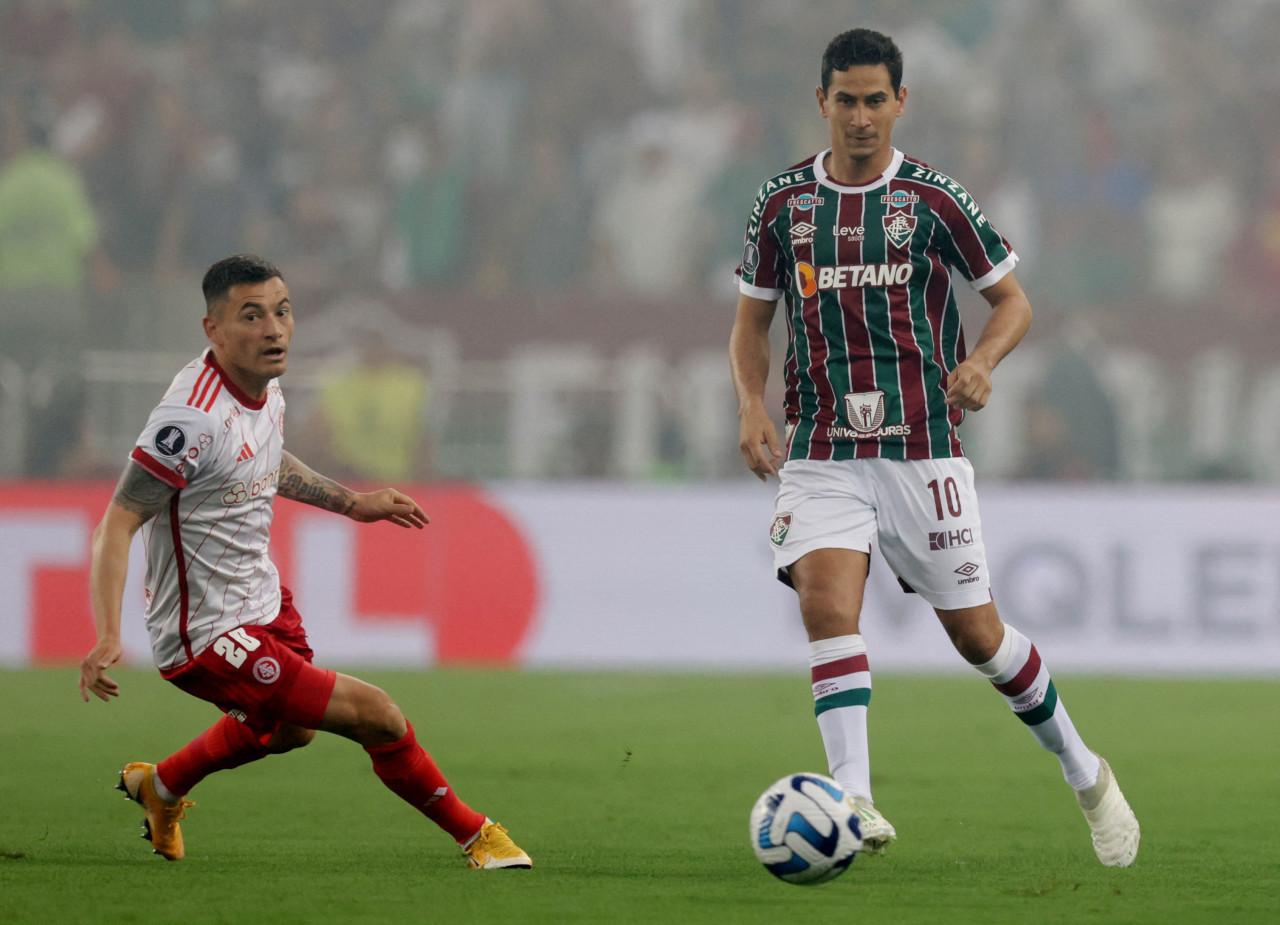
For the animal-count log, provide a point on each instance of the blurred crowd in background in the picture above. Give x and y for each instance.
(510, 226)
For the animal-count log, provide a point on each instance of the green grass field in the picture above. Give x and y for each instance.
(631, 792)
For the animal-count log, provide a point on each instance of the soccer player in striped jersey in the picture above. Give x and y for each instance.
(200, 485)
(860, 242)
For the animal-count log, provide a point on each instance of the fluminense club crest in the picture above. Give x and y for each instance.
(780, 527)
(865, 410)
(899, 226)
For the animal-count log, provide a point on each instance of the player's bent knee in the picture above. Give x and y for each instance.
(287, 738)
(976, 632)
(367, 714)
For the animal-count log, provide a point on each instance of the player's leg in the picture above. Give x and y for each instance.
(367, 715)
(1013, 665)
(822, 530)
(931, 536)
(160, 789)
(830, 585)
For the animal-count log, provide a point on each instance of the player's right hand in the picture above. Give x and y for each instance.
(103, 656)
(758, 442)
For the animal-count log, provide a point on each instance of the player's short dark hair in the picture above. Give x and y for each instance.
(862, 46)
(234, 271)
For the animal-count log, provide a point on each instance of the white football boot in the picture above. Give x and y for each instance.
(876, 830)
(1114, 826)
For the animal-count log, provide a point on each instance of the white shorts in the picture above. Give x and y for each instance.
(923, 511)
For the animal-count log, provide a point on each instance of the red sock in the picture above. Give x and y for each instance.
(225, 744)
(410, 774)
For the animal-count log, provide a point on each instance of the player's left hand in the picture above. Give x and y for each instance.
(969, 386)
(103, 656)
(388, 504)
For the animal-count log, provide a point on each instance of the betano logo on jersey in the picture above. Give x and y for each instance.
(855, 276)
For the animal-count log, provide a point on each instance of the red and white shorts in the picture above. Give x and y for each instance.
(923, 512)
(261, 675)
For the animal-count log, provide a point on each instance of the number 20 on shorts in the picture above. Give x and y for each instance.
(227, 648)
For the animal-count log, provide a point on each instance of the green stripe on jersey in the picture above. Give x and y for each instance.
(854, 697)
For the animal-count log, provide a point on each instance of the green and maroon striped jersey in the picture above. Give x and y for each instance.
(872, 321)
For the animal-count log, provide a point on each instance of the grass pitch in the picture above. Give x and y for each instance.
(631, 792)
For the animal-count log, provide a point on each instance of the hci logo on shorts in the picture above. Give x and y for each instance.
(950, 539)
(865, 410)
(780, 527)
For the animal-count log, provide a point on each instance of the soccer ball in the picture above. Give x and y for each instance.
(803, 829)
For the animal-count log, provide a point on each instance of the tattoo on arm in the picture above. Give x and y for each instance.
(141, 493)
(299, 483)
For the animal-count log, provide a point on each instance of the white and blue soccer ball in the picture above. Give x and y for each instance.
(804, 830)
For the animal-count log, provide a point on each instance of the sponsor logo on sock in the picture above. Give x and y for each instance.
(1028, 701)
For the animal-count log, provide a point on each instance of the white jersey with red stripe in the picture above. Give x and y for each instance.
(207, 565)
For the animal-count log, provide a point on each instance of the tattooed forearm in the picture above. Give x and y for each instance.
(299, 483)
(141, 493)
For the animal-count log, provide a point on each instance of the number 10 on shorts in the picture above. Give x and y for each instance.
(947, 491)
(227, 648)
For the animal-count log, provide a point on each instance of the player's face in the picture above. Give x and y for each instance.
(861, 107)
(250, 333)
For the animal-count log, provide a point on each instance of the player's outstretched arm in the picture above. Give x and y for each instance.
(749, 365)
(969, 384)
(139, 497)
(298, 482)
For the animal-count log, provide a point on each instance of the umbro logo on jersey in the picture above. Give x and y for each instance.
(802, 233)
(970, 572)
(245, 453)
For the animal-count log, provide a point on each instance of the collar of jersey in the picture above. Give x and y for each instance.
(883, 180)
(253, 404)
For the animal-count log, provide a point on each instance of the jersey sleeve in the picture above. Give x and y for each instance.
(762, 272)
(975, 249)
(175, 443)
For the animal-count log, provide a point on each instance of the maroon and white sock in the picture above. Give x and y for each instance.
(1021, 677)
(841, 693)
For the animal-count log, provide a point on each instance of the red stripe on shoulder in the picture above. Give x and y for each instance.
(157, 468)
(195, 389)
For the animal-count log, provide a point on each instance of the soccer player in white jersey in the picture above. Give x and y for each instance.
(860, 242)
(200, 486)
